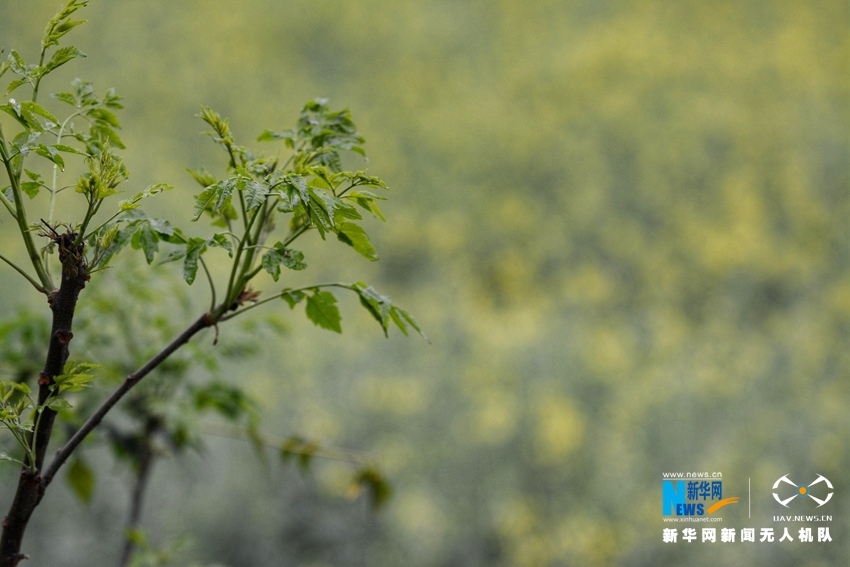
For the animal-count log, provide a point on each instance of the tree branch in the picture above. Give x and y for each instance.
(144, 461)
(30, 489)
(62, 455)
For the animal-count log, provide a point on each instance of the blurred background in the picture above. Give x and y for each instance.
(623, 225)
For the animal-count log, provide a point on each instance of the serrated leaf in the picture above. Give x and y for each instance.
(203, 177)
(367, 200)
(215, 197)
(49, 153)
(323, 312)
(81, 479)
(220, 240)
(31, 188)
(67, 98)
(15, 84)
(151, 190)
(378, 305)
(194, 248)
(57, 404)
(279, 254)
(255, 194)
(32, 175)
(60, 57)
(173, 255)
(293, 298)
(353, 235)
(146, 239)
(411, 320)
(107, 116)
(69, 149)
(17, 63)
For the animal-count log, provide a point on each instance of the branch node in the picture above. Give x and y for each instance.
(64, 337)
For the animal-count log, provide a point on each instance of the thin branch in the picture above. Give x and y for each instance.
(210, 280)
(21, 271)
(21, 216)
(281, 294)
(62, 455)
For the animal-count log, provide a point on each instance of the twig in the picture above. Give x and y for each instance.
(62, 455)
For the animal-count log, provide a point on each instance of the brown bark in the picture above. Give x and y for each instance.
(63, 303)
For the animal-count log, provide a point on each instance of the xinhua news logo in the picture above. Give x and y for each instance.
(820, 486)
(696, 497)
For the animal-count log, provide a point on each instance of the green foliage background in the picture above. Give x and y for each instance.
(623, 225)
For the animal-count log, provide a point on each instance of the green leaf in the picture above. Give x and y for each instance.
(353, 235)
(105, 116)
(293, 298)
(402, 318)
(49, 153)
(81, 479)
(323, 312)
(279, 254)
(67, 98)
(30, 188)
(151, 190)
(173, 255)
(60, 57)
(215, 197)
(194, 248)
(255, 194)
(146, 239)
(17, 63)
(203, 177)
(64, 28)
(75, 376)
(69, 149)
(220, 240)
(57, 404)
(367, 200)
(378, 305)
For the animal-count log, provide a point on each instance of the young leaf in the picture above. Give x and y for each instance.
(146, 239)
(194, 248)
(220, 240)
(367, 200)
(353, 235)
(322, 311)
(255, 194)
(402, 318)
(293, 298)
(50, 153)
(69, 149)
(292, 259)
(378, 305)
(30, 188)
(203, 177)
(150, 191)
(57, 404)
(60, 57)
